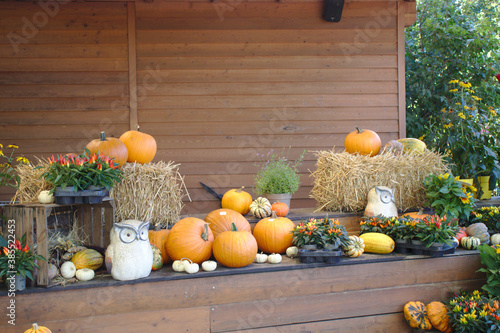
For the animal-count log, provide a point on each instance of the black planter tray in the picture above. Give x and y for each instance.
(324, 256)
(69, 197)
(432, 251)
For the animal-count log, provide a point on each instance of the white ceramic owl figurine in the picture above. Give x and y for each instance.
(381, 202)
(129, 255)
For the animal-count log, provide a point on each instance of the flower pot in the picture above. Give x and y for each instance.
(309, 247)
(417, 242)
(401, 241)
(20, 282)
(331, 247)
(285, 198)
(483, 188)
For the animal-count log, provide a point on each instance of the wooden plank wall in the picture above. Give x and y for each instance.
(217, 83)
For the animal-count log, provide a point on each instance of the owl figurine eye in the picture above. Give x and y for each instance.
(385, 198)
(128, 235)
(144, 231)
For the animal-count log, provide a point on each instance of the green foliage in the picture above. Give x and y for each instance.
(490, 258)
(473, 312)
(451, 39)
(489, 215)
(320, 232)
(277, 175)
(8, 176)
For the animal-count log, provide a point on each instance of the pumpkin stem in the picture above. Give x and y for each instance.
(359, 130)
(273, 214)
(240, 189)
(102, 136)
(204, 235)
(35, 327)
(233, 227)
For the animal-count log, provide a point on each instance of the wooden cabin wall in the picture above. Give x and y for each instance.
(218, 84)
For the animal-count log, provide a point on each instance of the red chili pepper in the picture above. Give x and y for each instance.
(17, 244)
(6, 251)
(26, 248)
(99, 166)
(498, 77)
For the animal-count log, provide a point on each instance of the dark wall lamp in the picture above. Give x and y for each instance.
(332, 12)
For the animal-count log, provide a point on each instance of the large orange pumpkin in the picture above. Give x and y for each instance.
(141, 146)
(235, 248)
(110, 147)
(159, 239)
(190, 238)
(274, 234)
(364, 142)
(238, 200)
(221, 220)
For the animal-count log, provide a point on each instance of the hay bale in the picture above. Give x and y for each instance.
(149, 192)
(31, 181)
(342, 180)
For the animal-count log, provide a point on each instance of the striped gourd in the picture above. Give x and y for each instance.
(260, 208)
(470, 243)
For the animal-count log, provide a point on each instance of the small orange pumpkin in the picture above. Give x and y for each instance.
(280, 208)
(235, 248)
(363, 142)
(274, 234)
(37, 329)
(237, 200)
(461, 233)
(190, 238)
(110, 147)
(159, 239)
(221, 220)
(141, 146)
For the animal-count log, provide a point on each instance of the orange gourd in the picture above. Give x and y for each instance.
(235, 248)
(274, 234)
(363, 142)
(159, 239)
(110, 147)
(237, 200)
(280, 208)
(141, 146)
(37, 329)
(416, 315)
(190, 238)
(461, 233)
(438, 316)
(221, 220)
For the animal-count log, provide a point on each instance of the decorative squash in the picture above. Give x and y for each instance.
(394, 147)
(355, 248)
(68, 270)
(495, 239)
(190, 238)
(280, 208)
(221, 220)
(376, 242)
(461, 233)
(45, 197)
(479, 230)
(416, 315)
(437, 314)
(110, 147)
(85, 274)
(363, 142)
(470, 242)
(157, 258)
(292, 252)
(238, 200)
(412, 145)
(191, 267)
(159, 239)
(178, 265)
(235, 248)
(141, 146)
(274, 234)
(37, 329)
(260, 208)
(274, 258)
(88, 258)
(260, 258)
(209, 265)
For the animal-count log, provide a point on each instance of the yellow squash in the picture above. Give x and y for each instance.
(413, 145)
(376, 242)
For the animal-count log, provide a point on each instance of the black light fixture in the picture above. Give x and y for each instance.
(332, 12)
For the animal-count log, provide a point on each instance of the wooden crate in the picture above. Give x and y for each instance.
(93, 221)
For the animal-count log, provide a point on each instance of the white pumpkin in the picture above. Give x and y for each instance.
(191, 267)
(209, 265)
(85, 274)
(179, 265)
(274, 258)
(495, 239)
(292, 252)
(68, 270)
(45, 197)
(260, 258)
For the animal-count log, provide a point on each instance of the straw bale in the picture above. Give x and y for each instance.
(342, 180)
(150, 192)
(31, 181)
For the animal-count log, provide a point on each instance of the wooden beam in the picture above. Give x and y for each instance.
(132, 66)
(401, 69)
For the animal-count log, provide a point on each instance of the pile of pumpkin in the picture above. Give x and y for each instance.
(476, 234)
(425, 317)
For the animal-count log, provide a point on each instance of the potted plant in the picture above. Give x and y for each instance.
(449, 196)
(277, 177)
(379, 223)
(436, 231)
(308, 236)
(474, 311)
(334, 234)
(17, 261)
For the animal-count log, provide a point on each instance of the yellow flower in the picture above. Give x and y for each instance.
(23, 160)
(453, 81)
(450, 125)
(498, 250)
(492, 112)
(12, 146)
(1, 145)
(458, 104)
(461, 115)
(466, 107)
(443, 110)
(476, 98)
(453, 90)
(464, 84)
(422, 137)
(1, 153)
